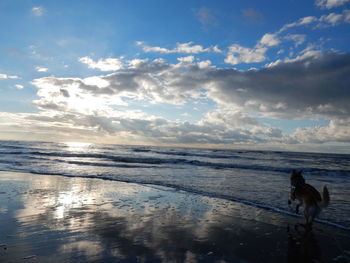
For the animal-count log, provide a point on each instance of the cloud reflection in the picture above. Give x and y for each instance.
(92, 220)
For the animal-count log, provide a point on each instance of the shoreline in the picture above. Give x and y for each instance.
(47, 218)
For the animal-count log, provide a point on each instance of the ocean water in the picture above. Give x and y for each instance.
(256, 178)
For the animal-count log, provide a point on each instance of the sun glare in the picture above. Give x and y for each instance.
(77, 146)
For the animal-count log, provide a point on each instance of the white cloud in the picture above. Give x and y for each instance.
(329, 20)
(334, 19)
(18, 86)
(136, 63)
(38, 11)
(187, 48)
(307, 53)
(139, 43)
(188, 59)
(149, 49)
(297, 38)
(328, 4)
(301, 22)
(230, 117)
(238, 54)
(5, 76)
(270, 40)
(41, 69)
(107, 64)
(337, 130)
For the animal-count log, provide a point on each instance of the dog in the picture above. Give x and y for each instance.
(308, 197)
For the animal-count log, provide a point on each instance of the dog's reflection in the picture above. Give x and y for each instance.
(303, 245)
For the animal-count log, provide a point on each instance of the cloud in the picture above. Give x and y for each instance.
(90, 104)
(269, 40)
(328, 4)
(18, 86)
(307, 53)
(128, 125)
(238, 54)
(329, 20)
(188, 59)
(301, 22)
(337, 130)
(38, 11)
(41, 69)
(252, 16)
(155, 81)
(187, 48)
(297, 38)
(206, 17)
(5, 76)
(333, 19)
(107, 64)
(312, 85)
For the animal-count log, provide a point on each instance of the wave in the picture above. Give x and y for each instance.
(106, 164)
(171, 161)
(198, 192)
(189, 154)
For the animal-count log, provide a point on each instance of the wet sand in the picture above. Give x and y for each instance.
(62, 219)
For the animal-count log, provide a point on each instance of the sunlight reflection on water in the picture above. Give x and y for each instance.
(92, 220)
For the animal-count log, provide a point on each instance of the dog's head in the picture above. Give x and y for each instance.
(296, 178)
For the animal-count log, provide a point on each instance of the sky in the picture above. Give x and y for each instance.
(195, 73)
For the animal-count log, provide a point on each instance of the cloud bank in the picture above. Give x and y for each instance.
(307, 87)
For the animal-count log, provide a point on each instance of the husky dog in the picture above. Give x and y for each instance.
(308, 197)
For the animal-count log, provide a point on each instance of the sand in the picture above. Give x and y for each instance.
(60, 219)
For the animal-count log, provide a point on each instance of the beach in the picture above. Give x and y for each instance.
(70, 219)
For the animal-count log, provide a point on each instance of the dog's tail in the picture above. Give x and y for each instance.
(325, 197)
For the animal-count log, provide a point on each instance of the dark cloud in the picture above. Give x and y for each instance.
(309, 86)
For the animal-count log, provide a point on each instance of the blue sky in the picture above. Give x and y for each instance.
(250, 74)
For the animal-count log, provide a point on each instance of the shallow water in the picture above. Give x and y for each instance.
(61, 219)
(256, 178)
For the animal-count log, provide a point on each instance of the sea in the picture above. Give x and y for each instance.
(254, 178)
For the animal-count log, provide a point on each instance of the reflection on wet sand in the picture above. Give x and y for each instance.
(57, 219)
